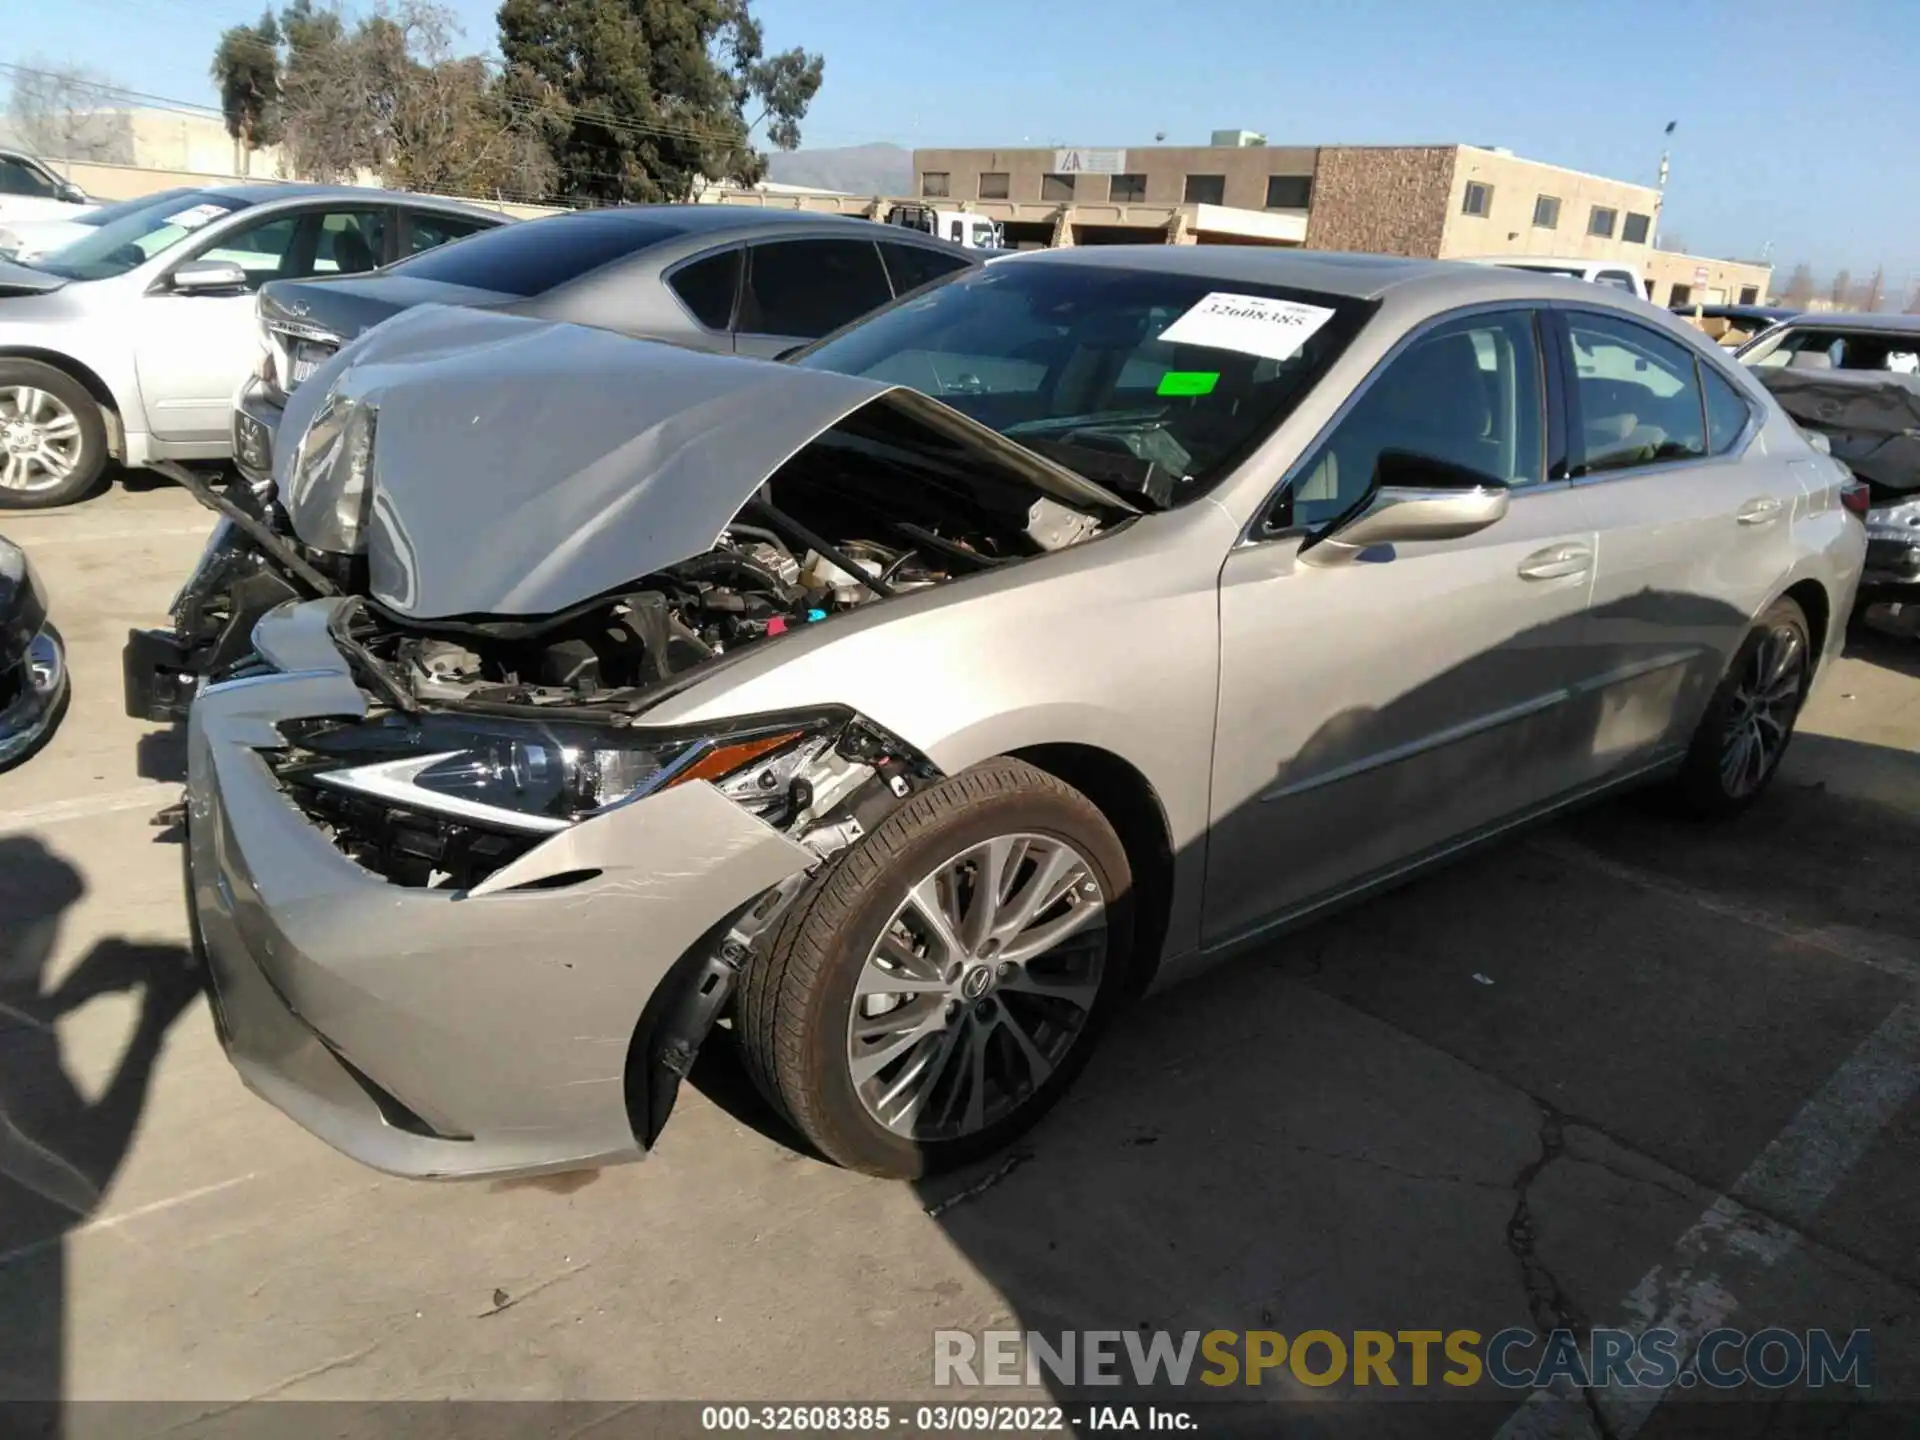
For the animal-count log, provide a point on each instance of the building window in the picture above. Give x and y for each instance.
(1126, 189)
(993, 184)
(1206, 190)
(1056, 187)
(1289, 192)
(1546, 212)
(1634, 232)
(1601, 220)
(1680, 295)
(1749, 294)
(933, 184)
(1478, 199)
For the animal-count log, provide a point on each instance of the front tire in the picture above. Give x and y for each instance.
(1749, 722)
(938, 988)
(53, 440)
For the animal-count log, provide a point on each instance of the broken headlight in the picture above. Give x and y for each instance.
(536, 777)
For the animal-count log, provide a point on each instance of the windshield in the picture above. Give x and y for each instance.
(1822, 347)
(107, 214)
(135, 238)
(1155, 384)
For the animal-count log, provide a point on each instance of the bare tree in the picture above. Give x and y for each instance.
(1873, 293)
(1842, 286)
(1798, 292)
(1913, 305)
(66, 112)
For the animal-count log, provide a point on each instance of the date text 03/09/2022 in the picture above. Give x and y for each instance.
(942, 1419)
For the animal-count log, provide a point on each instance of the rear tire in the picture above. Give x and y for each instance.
(1749, 722)
(873, 1023)
(53, 439)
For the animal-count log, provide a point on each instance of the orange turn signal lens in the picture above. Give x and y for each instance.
(723, 760)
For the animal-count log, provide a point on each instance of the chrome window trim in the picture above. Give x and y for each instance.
(1251, 533)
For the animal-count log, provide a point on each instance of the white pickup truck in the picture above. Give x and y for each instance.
(30, 190)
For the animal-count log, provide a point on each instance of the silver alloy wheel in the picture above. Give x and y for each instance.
(39, 439)
(1760, 719)
(980, 983)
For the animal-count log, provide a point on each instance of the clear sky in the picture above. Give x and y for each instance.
(1799, 123)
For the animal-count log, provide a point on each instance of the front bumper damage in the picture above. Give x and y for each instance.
(1893, 552)
(442, 1033)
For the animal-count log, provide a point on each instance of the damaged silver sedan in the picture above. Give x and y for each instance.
(905, 709)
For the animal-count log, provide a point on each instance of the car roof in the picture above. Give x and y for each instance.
(267, 192)
(725, 219)
(1355, 276)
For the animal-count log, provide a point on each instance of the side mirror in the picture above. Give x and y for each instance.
(73, 194)
(201, 277)
(1414, 497)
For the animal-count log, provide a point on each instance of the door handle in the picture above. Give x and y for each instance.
(1556, 562)
(1759, 511)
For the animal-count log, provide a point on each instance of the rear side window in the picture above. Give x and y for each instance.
(806, 288)
(428, 231)
(911, 266)
(1727, 411)
(533, 256)
(1638, 396)
(706, 287)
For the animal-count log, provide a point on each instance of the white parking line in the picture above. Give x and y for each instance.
(93, 536)
(1789, 1181)
(84, 807)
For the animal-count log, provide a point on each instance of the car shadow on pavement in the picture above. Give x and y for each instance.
(61, 1142)
(1494, 1097)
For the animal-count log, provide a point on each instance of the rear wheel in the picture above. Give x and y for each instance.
(1750, 720)
(53, 441)
(940, 986)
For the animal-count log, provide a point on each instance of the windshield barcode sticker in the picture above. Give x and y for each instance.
(1248, 324)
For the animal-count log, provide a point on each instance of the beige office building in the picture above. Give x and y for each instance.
(1441, 201)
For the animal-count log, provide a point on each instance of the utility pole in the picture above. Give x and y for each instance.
(1660, 187)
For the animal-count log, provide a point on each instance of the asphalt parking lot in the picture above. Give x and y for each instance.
(1615, 1070)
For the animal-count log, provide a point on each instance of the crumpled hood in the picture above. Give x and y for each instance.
(520, 466)
(23, 609)
(1871, 418)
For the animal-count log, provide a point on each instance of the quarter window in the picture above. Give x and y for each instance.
(911, 266)
(1601, 220)
(1546, 212)
(706, 286)
(1478, 199)
(1468, 392)
(1727, 412)
(1637, 396)
(805, 288)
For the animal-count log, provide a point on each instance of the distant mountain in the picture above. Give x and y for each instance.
(857, 169)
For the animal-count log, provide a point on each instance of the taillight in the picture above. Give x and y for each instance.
(1855, 495)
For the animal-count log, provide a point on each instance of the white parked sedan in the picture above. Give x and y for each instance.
(129, 343)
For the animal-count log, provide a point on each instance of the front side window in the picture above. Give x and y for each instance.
(805, 288)
(350, 241)
(706, 287)
(1206, 190)
(1601, 220)
(1468, 392)
(1478, 199)
(993, 185)
(1068, 360)
(1636, 395)
(933, 184)
(1546, 212)
(266, 251)
(1636, 229)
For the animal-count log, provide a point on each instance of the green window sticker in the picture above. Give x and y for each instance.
(1188, 382)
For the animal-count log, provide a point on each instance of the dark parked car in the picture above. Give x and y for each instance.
(33, 664)
(709, 277)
